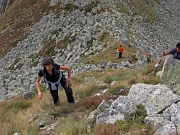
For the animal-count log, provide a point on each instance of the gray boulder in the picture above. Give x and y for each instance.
(27, 95)
(170, 73)
(160, 103)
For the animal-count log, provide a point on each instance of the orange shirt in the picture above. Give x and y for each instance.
(120, 49)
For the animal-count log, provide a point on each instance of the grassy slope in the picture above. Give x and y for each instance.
(71, 118)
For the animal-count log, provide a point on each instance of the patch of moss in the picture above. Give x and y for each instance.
(70, 7)
(114, 90)
(90, 43)
(67, 40)
(32, 2)
(13, 64)
(11, 2)
(89, 7)
(56, 32)
(88, 92)
(14, 43)
(103, 36)
(135, 119)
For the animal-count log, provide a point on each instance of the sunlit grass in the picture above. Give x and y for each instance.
(69, 115)
(110, 53)
(71, 125)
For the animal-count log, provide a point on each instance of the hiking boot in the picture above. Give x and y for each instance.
(57, 103)
(74, 102)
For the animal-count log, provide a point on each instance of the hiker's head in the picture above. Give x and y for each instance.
(178, 47)
(48, 63)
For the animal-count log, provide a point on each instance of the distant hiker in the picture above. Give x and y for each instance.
(120, 51)
(175, 52)
(55, 78)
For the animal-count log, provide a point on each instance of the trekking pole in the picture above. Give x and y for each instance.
(157, 65)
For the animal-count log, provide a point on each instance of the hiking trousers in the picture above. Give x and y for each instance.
(68, 91)
(120, 55)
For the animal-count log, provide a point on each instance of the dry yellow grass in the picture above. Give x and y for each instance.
(109, 53)
(17, 120)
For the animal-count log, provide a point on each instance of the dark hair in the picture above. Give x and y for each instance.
(178, 45)
(47, 60)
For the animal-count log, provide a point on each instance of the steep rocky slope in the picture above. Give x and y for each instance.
(148, 25)
(77, 28)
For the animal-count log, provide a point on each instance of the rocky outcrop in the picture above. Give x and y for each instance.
(3, 5)
(170, 74)
(161, 104)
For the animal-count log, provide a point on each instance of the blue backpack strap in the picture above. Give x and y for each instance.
(177, 55)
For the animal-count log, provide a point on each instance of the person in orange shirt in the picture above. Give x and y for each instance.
(120, 51)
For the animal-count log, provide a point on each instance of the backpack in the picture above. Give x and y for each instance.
(176, 55)
(44, 74)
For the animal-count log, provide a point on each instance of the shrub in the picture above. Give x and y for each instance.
(135, 119)
(87, 91)
(115, 89)
(32, 2)
(89, 7)
(70, 7)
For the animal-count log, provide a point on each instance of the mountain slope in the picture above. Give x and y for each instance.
(89, 31)
(81, 26)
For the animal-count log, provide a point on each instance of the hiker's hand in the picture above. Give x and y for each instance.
(68, 83)
(163, 53)
(39, 95)
(157, 65)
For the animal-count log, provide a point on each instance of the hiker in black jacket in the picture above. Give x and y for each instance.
(55, 78)
(175, 52)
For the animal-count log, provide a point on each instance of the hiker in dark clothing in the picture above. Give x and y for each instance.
(55, 78)
(175, 52)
